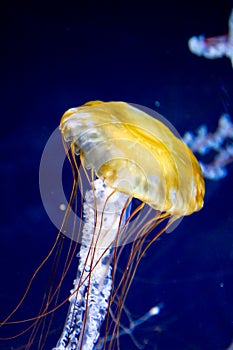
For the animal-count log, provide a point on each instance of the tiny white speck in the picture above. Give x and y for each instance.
(154, 311)
(62, 207)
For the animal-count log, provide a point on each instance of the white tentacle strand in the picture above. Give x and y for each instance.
(90, 296)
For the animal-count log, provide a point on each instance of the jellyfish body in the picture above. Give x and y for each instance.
(132, 155)
(136, 154)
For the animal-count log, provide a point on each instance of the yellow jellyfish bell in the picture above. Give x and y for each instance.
(136, 154)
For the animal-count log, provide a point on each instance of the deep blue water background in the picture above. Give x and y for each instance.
(54, 57)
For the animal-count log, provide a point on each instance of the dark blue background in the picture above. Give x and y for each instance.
(57, 56)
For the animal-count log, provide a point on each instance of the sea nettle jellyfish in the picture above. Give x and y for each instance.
(141, 178)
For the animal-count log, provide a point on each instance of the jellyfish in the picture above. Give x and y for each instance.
(214, 47)
(132, 179)
(130, 155)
